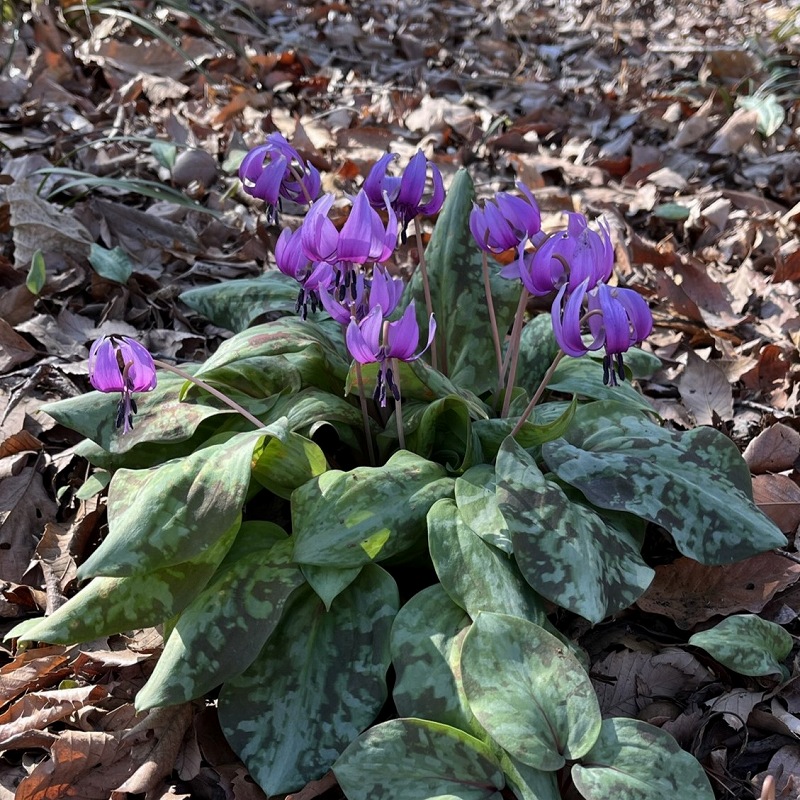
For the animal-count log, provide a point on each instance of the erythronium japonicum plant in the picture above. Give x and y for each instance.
(271, 506)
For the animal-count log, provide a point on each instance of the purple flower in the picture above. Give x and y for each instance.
(363, 237)
(120, 364)
(274, 170)
(617, 319)
(293, 261)
(508, 222)
(405, 193)
(364, 295)
(574, 255)
(376, 340)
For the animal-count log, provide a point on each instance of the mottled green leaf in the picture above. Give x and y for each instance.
(492, 432)
(417, 381)
(476, 500)
(172, 513)
(319, 680)
(632, 760)
(674, 212)
(426, 652)
(222, 631)
(346, 519)
(329, 582)
(285, 460)
(584, 377)
(310, 406)
(747, 644)
(113, 265)
(37, 273)
(771, 113)
(235, 304)
(529, 691)
(565, 550)
(113, 605)
(693, 483)
(412, 759)
(537, 349)
(443, 433)
(162, 416)
(463, 338)
(477, 576)
(529, 783)
(307, 348)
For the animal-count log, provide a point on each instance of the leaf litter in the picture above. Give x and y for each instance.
(122, 130)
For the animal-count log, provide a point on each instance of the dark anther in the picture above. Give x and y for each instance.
(391, 384)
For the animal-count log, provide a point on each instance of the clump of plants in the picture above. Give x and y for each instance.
(406, 480)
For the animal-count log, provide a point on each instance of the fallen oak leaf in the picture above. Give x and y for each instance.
(171, 725)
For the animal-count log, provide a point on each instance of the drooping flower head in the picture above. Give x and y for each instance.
(121, 364)
(363, 237)
(407, 193)
(292, 260)
(374, 339)
(509, 222)
(274, 170)
(364, 294)
(574, 255)
(617, 318)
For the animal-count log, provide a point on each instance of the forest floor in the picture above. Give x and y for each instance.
(121, 125)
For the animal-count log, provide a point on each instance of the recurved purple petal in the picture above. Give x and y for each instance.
(104, 371)
(141, 371)
(402, 336)
(378, 181)
(638, 312)
(363, 338)
(385, 291)
(567, 321)
(319, 235)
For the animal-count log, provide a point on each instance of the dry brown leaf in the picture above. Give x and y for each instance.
(32, 670)
(705, 391)
(81, 765)
(636, 678)
(37, 710)
(738, 130)
(695, 127)
(688, 592)
(170, 725)
(736, 706)
(14, 349)
(25, 508)
(779, 498)
(39, 225)
(774, 450)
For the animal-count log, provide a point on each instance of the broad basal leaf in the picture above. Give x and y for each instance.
(528, 691)
(346, 519)
(443, 433)
(411, 759)
(222, 631)
(477, 576)
(162, 416)
(235, 304)
(172, 513)
(477, 502)
(747, 644)
(565, 550)
(319, 680)
(584, 377)
(284, 460)
(463, 337)
(693, 483)
(426, 653)
(637, 761)
(114, 605)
